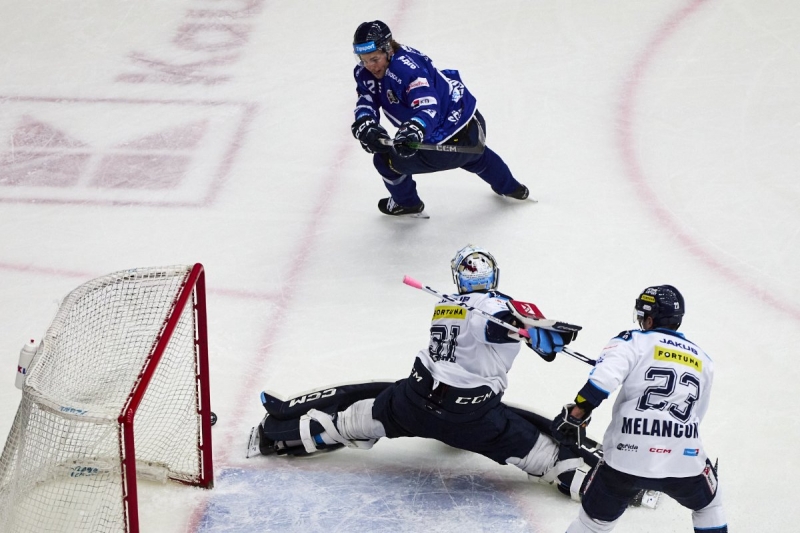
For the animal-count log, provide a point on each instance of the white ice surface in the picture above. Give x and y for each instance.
(660, 138)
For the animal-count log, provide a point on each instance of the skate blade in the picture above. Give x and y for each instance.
(252, 445)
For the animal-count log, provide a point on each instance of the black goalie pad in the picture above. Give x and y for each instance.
(283, 422)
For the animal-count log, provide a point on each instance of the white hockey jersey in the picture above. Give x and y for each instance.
(459, 353)
(666, 385)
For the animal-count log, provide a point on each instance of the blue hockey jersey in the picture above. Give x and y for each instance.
(413, 88)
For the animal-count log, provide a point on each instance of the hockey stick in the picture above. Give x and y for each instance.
(411, 282)
(477, 149)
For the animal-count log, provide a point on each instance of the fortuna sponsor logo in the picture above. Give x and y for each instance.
(627, 447)
(659, 428)
(419, 82)
(449, 311)
(474, 399)
(676, 356)
(679, 345)
(327, 393)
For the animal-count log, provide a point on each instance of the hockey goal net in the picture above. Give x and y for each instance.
(118, 388)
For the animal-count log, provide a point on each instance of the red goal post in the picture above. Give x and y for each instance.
(118, 390)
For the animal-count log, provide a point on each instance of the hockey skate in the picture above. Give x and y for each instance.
(388, 206)
(520, 193)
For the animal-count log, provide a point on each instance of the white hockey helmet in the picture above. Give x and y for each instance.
(474, 269)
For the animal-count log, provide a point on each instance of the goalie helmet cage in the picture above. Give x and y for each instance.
(118, 388)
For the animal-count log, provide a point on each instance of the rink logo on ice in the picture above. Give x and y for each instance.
(676, 356)
(327, 393)
(449, 311)
(163, 153)
(205, 45)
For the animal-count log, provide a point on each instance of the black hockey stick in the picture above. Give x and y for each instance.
(476, 149)
(411, 282)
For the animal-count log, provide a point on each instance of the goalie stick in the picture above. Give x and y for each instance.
(543, 323)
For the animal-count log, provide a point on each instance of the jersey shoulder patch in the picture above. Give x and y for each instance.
(625, 335)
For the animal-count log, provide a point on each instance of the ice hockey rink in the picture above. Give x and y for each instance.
(660, 139)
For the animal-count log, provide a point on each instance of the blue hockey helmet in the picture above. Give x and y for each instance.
(474, 269)
(372, 36)
(662, 302)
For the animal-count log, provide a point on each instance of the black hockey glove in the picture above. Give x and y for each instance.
(568, 430)
(369, 133)
(545, 342)
(408, 136)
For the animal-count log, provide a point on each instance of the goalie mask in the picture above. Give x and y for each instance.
(474, 269)
(664, 303)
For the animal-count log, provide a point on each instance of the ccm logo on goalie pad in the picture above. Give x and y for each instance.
(327, 393)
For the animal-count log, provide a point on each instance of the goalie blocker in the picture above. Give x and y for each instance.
(279, 431)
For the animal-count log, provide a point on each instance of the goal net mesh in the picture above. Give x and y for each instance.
(61, 469)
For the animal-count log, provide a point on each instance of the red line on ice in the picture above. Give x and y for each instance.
(638, 176)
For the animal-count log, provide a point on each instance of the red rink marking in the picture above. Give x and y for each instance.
(55, 155)
(638, 176)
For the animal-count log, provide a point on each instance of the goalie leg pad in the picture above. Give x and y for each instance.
(540, 459)
(312, 441)
(329, 399)
(356, 422)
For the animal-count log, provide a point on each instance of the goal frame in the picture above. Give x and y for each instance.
(195, 285)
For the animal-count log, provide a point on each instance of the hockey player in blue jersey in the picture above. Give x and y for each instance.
(653, 440)
(427, 106)
(453, 393)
